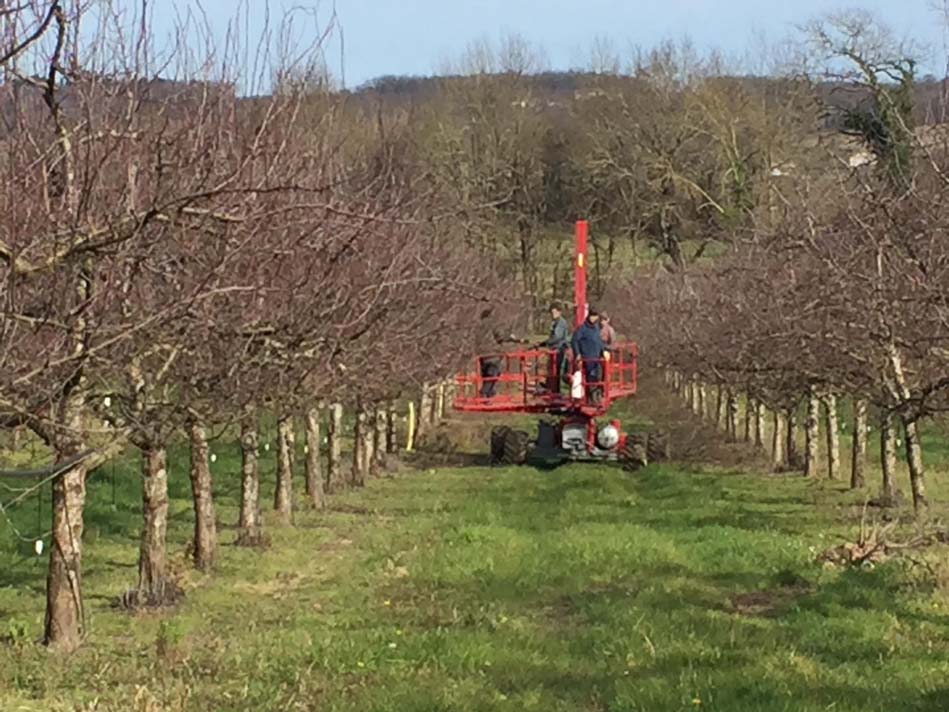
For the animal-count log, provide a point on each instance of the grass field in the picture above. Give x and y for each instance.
(469, 588)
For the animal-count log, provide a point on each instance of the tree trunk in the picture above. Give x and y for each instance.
(283, 494)
(65, 620)
(439, 402)
(292, 446)
(833, 436)
(732, 405)
(749, 413)
(153, 554)
(914, 458)
(859, 446)
(888, 456)
(314, 472)
(369, 441)
(811, 436)
(392, 444)
(205, 527)
(759, 425)
(703, 401)
(433, 412)
(778, 439)
(379, 439)
(251, 526)
(914, 452)
(358, 476)
(721, 421)
(334, 470)
(792, 456)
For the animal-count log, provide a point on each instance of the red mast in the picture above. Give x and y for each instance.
(580, 272)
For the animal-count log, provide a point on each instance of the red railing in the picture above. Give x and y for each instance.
(530, 381)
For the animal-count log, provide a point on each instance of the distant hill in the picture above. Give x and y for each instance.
(23, 101)
(931, 100)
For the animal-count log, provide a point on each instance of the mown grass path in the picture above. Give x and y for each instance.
(491, 589)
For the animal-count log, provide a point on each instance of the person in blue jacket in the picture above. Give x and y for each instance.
(587, 344)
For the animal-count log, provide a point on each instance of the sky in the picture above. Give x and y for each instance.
(414, 37)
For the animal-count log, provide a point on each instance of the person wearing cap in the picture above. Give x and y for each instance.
(588, 346)
(559, 341)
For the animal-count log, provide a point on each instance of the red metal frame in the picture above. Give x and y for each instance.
(528, 383)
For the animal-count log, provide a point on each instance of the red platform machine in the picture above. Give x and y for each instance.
(529, 381)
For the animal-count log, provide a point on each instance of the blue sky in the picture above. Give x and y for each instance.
(413, 36)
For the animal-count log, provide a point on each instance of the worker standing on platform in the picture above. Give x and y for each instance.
(607, 332)
(491, 367)
(559, 341)
(588, 346)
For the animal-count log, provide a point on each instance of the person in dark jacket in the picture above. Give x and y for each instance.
(492, 366)
(559, 341)
(588, 346)
(490, 372)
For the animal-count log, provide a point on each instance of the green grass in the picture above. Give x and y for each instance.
(493, 589)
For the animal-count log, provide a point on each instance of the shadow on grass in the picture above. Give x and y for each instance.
(728, 645)
(596, 644)
(424, 459)
(935, 701)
